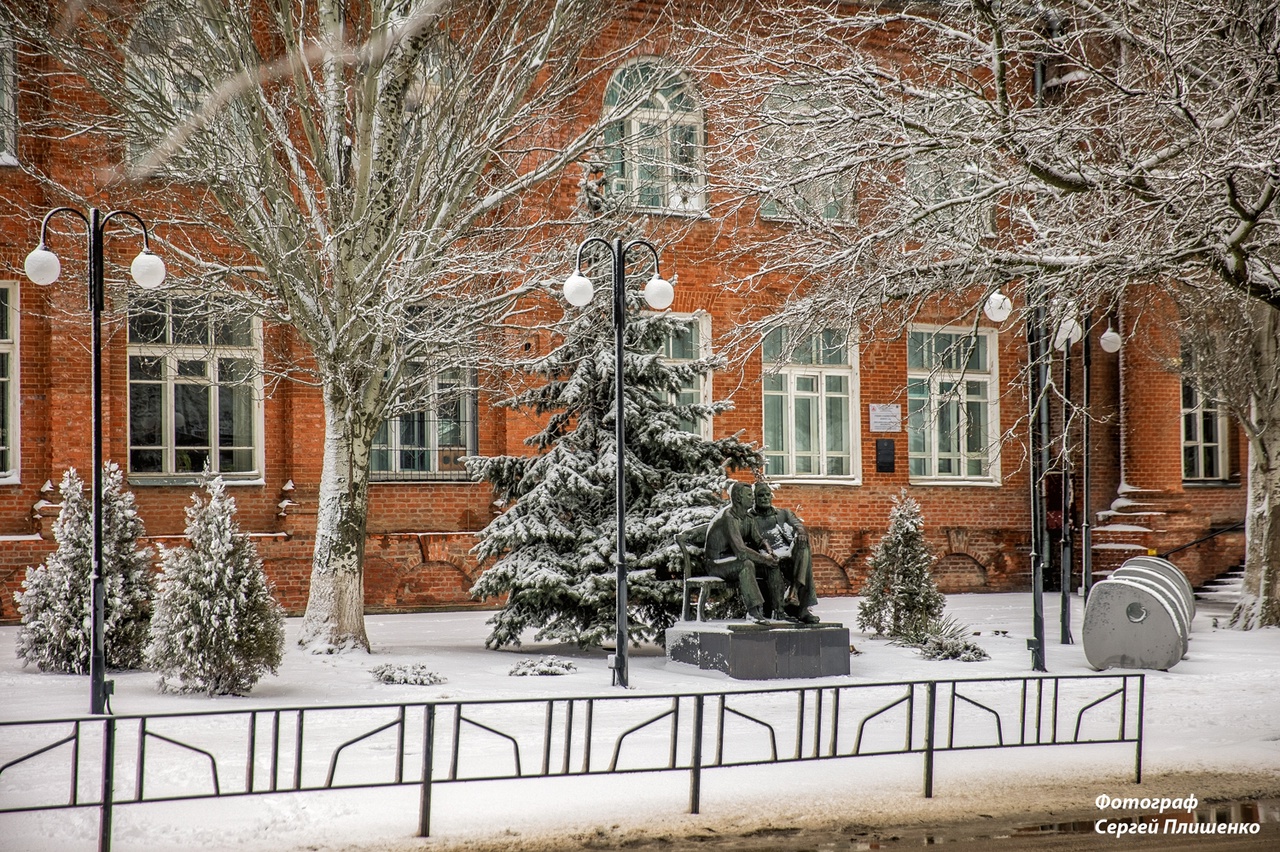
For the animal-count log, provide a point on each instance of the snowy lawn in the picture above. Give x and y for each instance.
(1212, 730)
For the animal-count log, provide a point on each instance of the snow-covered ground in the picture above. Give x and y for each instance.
(1212, 731)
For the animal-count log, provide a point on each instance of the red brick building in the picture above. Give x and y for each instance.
(838, 421)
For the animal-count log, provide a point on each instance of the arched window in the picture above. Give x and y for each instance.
(654, 152)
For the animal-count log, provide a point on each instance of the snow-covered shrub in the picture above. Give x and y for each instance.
(216, 629)
(935, 647)
(900, 596)
(542, 666)
(412, 673)
(944, 639)
(55, 602)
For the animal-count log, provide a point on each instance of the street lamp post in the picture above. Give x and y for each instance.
(998, 307)
(578, 290)
(43, 267)
(1068, 334)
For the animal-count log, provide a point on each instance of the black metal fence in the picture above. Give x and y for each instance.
(107, 761)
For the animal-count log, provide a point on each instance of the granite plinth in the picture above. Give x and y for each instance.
(748, 651)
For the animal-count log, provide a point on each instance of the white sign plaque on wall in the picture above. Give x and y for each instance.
(885, 418)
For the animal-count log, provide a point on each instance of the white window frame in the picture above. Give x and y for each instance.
(1198, 411)
(802, 183)
(172, 356)
(158, 70)
(394, 449)
(8, 99)
(935, 375)
(701, 320)
(788, 380)
(626, 152)
(11, 385)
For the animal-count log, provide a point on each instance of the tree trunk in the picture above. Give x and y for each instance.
(334, 620)
(1259, 604)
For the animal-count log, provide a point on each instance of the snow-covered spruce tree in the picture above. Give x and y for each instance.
(901, 598)
(55, 604)
(217, 628)
(554, 546)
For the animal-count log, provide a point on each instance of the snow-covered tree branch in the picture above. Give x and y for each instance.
(358, 170)
(1091, 149)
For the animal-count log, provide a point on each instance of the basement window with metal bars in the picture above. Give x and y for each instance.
(429, 444)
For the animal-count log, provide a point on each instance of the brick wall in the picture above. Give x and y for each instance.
(418, 542)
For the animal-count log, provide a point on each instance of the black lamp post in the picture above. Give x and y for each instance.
(578, 290)
(998, 307)
(1069, 333)
(43, 267)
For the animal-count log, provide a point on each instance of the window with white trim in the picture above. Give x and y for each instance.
(195, 392)
(690, 340)
(952, 409)
(809, 399)
(653, 156)
(429, 443)
(9, 385)
(8, 99)
(164, 72)
(1204, 436)
(803, 181)
(943, 181)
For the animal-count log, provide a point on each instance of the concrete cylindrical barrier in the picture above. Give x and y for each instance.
(1168, 569)
(1183, 606)
(1139, 617)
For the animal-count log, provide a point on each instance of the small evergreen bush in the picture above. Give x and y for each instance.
(542, 666)
(55, 602)
(216, 628)
(936, 647)
(411, 673)
(900, 597)
(944, 639)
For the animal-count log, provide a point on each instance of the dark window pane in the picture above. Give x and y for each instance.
(193, 369)
(146, 369)
(190, 461)
(418, 460)
(148, 322)
(235, 461)
(145, 461)
(190, 323)
(232, 330)
(235, 416)
(191, 416)
(145, 415)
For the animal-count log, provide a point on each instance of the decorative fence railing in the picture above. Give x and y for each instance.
(107, 761)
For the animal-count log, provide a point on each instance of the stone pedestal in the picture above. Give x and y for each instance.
(748, 651)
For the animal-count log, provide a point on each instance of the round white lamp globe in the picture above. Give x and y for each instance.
(1069, 333)
(998, 307)
(42, 266)
(1110, 341)
(148, 270)
(578, 290)
(659, 293)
